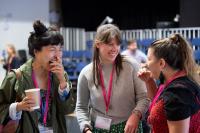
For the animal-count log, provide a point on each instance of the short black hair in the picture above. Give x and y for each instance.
(43, 36)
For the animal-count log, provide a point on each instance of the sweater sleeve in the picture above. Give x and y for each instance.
(142, 102)
(82, 109)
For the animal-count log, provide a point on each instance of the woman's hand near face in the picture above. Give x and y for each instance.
(57, 68)
(26, 104)
(144, 74)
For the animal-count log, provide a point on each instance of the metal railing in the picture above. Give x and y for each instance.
(75, 38)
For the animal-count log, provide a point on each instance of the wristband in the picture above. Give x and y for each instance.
(138, 113)
(85, 130)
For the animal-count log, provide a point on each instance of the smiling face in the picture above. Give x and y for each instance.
(108, 51)
(47, 54)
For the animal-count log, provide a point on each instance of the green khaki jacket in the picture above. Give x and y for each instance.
(13, 90)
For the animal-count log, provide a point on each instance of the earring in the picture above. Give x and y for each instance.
(161, 78)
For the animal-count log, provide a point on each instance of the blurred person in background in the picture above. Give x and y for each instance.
(12, 61)
(133, 51)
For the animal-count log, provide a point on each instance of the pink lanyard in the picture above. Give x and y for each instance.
(162, 86)
(106, 99)
(47, 96)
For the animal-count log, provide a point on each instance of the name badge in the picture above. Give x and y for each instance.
(103, 122)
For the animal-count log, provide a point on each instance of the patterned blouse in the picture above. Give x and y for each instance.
(178, 101)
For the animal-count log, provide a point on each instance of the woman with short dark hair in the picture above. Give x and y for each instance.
(44, 71)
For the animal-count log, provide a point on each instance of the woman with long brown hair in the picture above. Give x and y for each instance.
(109, 86)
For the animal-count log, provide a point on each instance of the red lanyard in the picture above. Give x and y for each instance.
(162, 86)
(106, 99)
(47, 96)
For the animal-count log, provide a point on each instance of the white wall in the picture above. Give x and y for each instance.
(16, 19)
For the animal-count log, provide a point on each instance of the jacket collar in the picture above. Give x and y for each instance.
(26, 68)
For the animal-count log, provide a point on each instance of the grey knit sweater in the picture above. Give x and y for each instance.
(128, 93)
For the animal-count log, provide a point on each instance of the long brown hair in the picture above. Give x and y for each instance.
(105, 33)
(178, 54)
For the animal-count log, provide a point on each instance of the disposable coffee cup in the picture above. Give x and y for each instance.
(35, 94)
